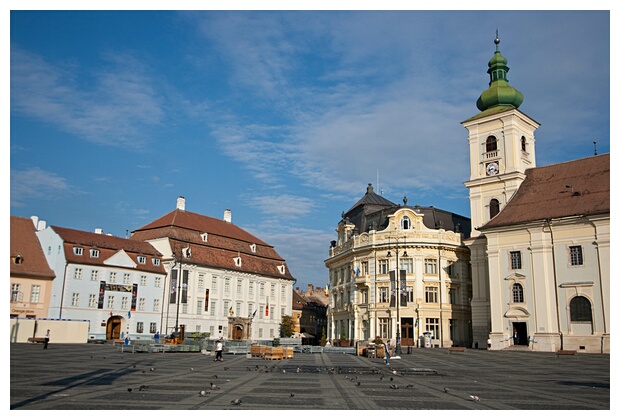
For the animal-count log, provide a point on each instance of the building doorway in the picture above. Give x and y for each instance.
(407, 337)
(237, 333)
(519, 333)
(114, 327)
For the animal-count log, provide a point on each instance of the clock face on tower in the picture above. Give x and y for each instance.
(492, 168)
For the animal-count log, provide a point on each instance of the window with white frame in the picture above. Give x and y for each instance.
(35, 292)
(407, 265)
(272, 292)
(262, 290)
(110, 301)
(92, 300)
(227, 285)
(126, 278)
(124, 302)
(430, 293)
(155, 261)
(201, 280)
(153, 327)
(139, 327)
(158, 281)
(212, 307)
(364, 268)
(112, 276)
(184, 308)
(156, 305)
(141, 259)
(432, 325)
(517, 293)
(260, 333)
(271, 332)
(515, 260)
(239, 286)
(238, 309)
(261, 311)
(199, 306)
(77, 273)
(384, 266)
(75, 299)
(384, 328)
(430, 266)
(142, 304)
(409, 290)
(94, 253)
(226, 308)
(250, 309)
(576, 255)
(16, 294)
(282, 292)
(94, 275)
(384, 294)
(364, 296)
(142, 280)
(214, 284)
(405, 223)
(251, 289)
(78, 250)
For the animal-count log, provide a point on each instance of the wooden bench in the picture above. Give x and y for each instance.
(457, 349)
(36, 340)
(565, 353)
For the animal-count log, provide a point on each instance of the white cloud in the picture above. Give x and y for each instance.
(36, 183)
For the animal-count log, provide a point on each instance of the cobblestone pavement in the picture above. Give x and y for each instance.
(101, 377)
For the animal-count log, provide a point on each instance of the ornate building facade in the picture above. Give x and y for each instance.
(398, 271)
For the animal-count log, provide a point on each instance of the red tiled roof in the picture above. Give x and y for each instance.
(224, 243)
(25, 243)
(107, 246)
(575, 188)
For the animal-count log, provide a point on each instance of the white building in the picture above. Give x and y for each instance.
(378, 238)
(114, 283)
(233, 284)
(540, 244)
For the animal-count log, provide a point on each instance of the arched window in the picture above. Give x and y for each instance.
(405, 223)
(493, 207)
(491, 144)
(517, 293)
(523, 144)
(580, 309)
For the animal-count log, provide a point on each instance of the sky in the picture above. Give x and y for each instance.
(282, 116)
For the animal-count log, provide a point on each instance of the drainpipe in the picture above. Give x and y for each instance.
(555, 282)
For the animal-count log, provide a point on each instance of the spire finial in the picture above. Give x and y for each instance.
(496, 40)
(595, 152)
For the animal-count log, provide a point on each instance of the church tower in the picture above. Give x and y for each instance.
(501, 148)
(501, 145)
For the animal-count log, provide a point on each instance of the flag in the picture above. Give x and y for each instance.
(267, 306)
(230, 311)
(327, 290)
(254, 314)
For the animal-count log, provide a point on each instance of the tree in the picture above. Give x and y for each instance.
(287, 326)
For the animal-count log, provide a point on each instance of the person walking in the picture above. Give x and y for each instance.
(47, 339)
(156, 337)
(218, 351)
(386, 345)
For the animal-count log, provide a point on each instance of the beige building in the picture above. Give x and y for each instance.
(540, 243)
(378, 238)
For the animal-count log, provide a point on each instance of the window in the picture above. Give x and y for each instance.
(124, 302)
(77, 274)
(111, 302)
(140, 327)
(49, 250)
(94, 253)
(239, 286)
(201, 280)
(580, 309)
(409, 290)
(262, 290)
(126, 278)
(517, 293)
(453, 329)
(515, 260)
(153, 327)
(157, 281)
(431, 294)
(78, 250)
(407, 265)
(34, 293)
(261, 311)
(272, 291)
(430, 266)
(141, 259)
(204, 237)
(214, 284)
(364, 296)
(452, 295)
(226, 308)
(212, 310)
(450, 268)
(364, 268)
(405, 223)
(491, 144)
(199, 304)
(142, 304)
(493, 208)
(227, 285)
(156, 305)
(384, 328)
(523, 144)
(143, 280)
(253, 247)
(238, 309)
(75, 299)
(16, 292)
(92, 300)
(384, 295)
(94, 275)
(383, 266)
(112, 276)
(282, 293)
(432, 325)
(251, 289)
(576, 255)
(156, 261)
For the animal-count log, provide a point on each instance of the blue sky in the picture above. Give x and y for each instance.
(283, 117)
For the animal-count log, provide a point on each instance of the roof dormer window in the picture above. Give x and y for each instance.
(78, 250)
(204, 236)
(141, 259)
(155, 261)
(282, 269)
(237, 261)
(94, 253)
(18, 259)
(253, 247)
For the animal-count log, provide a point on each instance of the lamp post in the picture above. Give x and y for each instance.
(397, 275)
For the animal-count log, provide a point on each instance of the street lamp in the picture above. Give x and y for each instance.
(400, 278)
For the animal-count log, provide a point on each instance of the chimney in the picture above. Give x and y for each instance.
(310, 289)
(35, 220)
(181, 203)
(227, 216)
(41, 225)
(98, 231)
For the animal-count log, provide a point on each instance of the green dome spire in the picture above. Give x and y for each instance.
(499, 91)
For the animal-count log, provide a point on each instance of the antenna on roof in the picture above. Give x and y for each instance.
(595, 153)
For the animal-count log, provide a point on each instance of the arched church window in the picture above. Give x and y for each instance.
(517, 293)
(580, 309)
(491, 144)
(405, 223)
(493, 207)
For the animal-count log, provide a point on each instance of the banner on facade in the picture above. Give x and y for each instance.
(173, 286)
(134, 297)
(403, 287)
(101, 294)
(392, 289)
(207, 300)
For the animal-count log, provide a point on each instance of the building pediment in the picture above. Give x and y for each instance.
(515, 277)
(516, 312)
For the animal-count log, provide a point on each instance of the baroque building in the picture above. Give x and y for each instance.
(540, 243)
(221, 280)
(397, 272)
